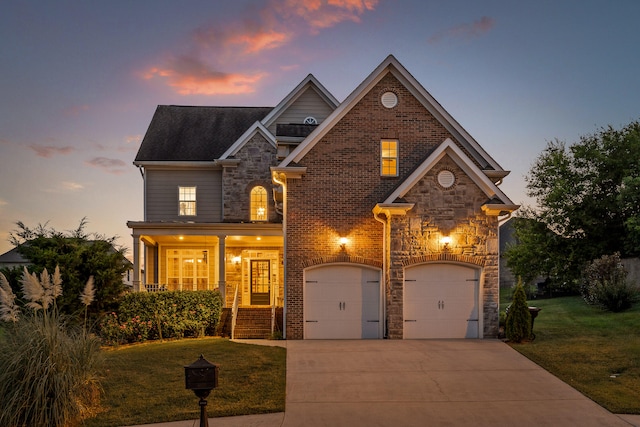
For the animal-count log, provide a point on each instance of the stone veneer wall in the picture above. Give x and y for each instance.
(256, 157)
(438, 212)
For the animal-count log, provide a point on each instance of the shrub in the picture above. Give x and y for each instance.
(605, 284)
(157, 315)
(518, 323)
(48, 370)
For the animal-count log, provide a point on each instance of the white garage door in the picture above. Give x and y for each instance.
(342, 302)
(441, 301)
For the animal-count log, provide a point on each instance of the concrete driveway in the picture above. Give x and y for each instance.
(435, 382)
(399, 383)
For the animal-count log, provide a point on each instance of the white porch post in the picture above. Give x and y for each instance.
(222, 269)
(136, 263)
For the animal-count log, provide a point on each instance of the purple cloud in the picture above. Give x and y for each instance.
(465, 31)
(114, 166)
(48, 151)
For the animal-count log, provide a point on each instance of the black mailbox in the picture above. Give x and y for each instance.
(201, 375)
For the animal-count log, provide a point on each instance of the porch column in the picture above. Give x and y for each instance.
(136, 262)
(222, 269)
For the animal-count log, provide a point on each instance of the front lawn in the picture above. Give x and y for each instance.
(144, 383)
(594, 351)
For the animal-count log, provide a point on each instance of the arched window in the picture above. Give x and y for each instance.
(258, 204)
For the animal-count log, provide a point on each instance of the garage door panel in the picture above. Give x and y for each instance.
(342, 302)
(441, 301)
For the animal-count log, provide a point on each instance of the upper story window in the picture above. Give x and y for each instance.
(389, 157)
(258, 204)
(187, 201)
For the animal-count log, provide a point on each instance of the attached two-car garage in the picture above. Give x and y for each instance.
(344, 301)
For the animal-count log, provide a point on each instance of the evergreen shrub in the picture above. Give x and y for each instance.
(518, 323)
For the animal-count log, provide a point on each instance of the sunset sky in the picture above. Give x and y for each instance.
(80, 80)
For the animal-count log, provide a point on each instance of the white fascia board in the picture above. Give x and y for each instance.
(438, 111)
(392, 65)
(311, 81)
(171, 164)
(448, 147)
(257, 127)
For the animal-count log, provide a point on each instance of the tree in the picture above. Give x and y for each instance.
(588, 202)
(79, 255)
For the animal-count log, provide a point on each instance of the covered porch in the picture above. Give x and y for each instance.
(244, 261)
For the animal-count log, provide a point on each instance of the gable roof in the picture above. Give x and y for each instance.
(257, 127)
(449, 148)
(391, 65)
(309, 82)
(185, 133)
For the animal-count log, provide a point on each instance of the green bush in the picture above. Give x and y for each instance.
(157, 315)
(518, 323)
(605, 284)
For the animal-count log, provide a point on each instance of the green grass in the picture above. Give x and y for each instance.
(594, 351)
(145, 383)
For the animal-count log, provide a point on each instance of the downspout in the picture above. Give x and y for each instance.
(384, 272)
(283, 182)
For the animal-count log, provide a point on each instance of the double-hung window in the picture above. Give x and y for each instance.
(187, 201)
(389, 157)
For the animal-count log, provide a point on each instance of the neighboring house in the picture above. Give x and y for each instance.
(13, 259)
(374, 218)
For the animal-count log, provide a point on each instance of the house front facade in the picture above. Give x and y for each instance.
(372, 218)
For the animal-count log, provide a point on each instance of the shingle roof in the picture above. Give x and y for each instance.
(13, 257)
(183, 133)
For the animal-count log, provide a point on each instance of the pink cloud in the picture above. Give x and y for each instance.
(465, 31)
(114, 166)
(189, 76)
(76, 109)
(321, 14)
(230, 45)
(49, 151)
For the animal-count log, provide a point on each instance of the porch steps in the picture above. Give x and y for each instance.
(254, 323)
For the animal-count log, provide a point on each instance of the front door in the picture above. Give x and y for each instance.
(260, 282)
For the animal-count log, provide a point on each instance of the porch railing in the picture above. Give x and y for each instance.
(234, 312)
(159, 287)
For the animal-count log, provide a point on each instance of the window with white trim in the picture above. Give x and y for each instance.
(258, 204)
(389, 157)
(187, 201)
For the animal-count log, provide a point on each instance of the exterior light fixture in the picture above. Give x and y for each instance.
(236, 260)
(343, 243)
(201, 377)
(446, 241)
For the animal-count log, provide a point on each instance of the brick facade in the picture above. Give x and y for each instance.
(342, 185)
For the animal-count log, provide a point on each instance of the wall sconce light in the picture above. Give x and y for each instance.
(343, 243)
(446, 241)
(236, 260)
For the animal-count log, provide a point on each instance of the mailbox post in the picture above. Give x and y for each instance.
(201, 377)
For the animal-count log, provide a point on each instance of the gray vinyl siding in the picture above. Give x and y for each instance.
(308, 104)
(161, 188)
